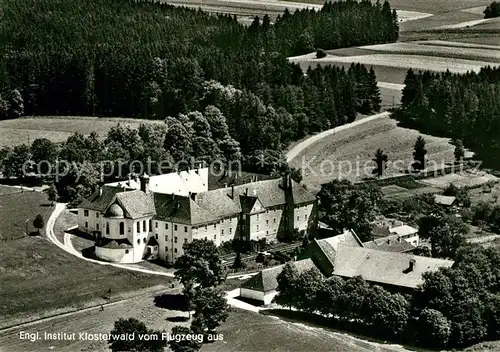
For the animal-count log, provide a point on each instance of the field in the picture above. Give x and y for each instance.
(41, 277)
(16, 207)
(57, 129)
(432, 6)
(462, 179)
(348, 153)
(243, 331)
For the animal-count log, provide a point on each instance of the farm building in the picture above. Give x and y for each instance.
(446, 201)
(262, 287)
(395, 271)
(322, 252)
(131, 224)
(392, 243)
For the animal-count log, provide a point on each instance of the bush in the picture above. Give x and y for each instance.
(320, 53)
(492, 10)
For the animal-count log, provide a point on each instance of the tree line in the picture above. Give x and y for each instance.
(459, 106)
(145, 59)
(454, 307)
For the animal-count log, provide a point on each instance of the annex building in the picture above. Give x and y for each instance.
(153, 217)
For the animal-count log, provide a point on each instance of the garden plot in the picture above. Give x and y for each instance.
(462, 179)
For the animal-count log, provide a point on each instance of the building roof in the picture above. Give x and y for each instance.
(101, 199)
(266, 280)
(329, 245)
(180, 183)
(115, 211)
(444, 200)
(392, 243)
(115, 243)
(136, 204)
(384, 267)
(403, 230)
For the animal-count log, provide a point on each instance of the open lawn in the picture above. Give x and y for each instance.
(348, 153)
(462, 179)
(445, 18)
(16, 208)
(58, 129)
(431, 6)
(492, 39)
(43, 278)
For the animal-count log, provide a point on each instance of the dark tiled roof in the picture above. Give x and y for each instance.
(266, 280)
(384, 267)
(323, 251)
(390, 244)
(101, 202)
(219, 202)
(152, 241)
(136, 204)
(115, 244)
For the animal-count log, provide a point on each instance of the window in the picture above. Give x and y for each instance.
(97, 226)
(215, 226)
(215, 237)
(122, 228)
(175, 227)
(185, 229)
(150, 224)
(166, 249)
(97, 215)
(126, 251)
(305, 217)
(206, 238)
(144, 240)
(267, 232)
(138, 241)
(175, 239)
(222, 232)
(298, 218)
(205, 228)
(129, 229)
(257, 227)
(107, 228)
(138, 226)
(274, 220)
(185, 240)
(144, 225)
(166, 238)
(175, 250)
(156, 236)
(166, 226)
(156, 224)
(257, 216)
(230, 230)
(86, 224)
(267, 222)
(85, 213)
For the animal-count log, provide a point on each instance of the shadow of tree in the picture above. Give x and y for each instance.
(172, 302)
(178, 319)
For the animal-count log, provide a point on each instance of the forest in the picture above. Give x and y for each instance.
(143, 59)
(459, 106)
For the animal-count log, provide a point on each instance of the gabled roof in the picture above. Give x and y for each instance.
(181, 210)
(444, 200)
(403, 230)
(100, 202)
(384, 267)
(136, 204)
(323, 251)
(391, 243)
(266, 280)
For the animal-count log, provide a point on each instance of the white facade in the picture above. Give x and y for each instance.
(266, 297)
(180, 183)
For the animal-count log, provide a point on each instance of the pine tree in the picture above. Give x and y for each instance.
(380, 160)
(419, 154)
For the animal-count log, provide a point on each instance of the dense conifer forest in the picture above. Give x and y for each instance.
(143, 59)
(462, 107)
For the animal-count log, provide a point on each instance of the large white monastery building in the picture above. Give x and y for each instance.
(153, 217)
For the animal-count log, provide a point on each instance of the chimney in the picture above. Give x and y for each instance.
(145, 183)
(412, 264)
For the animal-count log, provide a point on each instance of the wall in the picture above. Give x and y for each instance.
(115, 255)
(252, 294)
(92, 220)
(302, 215)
